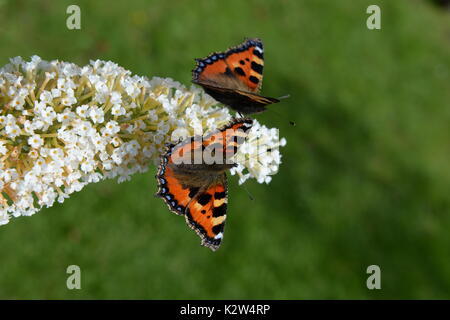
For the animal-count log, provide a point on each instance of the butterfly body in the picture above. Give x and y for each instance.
(234, 77)
(238, 100)
(198, 190)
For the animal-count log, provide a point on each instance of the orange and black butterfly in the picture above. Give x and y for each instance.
(198, 189)
(234, 77)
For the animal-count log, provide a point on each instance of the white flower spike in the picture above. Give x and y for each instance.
(63, 126)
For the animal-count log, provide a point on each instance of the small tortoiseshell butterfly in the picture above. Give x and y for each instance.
(234, 77)
(198, 189)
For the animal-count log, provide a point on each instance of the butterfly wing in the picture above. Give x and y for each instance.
(199, 191)
(175, 193)
(203, 207)
(234, 77)
(246, 62)
(206, 213)
(227, 139)
(238, 100)
(239, 67)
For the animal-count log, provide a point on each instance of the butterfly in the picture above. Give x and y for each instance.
(194, 186)
(234, 77)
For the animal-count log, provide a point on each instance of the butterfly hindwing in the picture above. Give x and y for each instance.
(248, 102)
(206, 213)
(199, 190)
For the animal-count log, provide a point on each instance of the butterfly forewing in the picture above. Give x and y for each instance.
(234, 77)
(240, 67)
(247, 63)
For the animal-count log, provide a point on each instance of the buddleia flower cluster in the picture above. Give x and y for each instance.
(63, 126)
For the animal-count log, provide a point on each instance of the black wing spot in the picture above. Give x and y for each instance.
(257, 67)
(254, 79)
(204, 198)
(239, 71)
(242, 62)
(218, 229)
(257, 53)
(220, 210)
(219, 195)
(228, 72)
(193, 192)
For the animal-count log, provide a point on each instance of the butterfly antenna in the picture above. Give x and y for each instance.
(248, 193)
(292, 123)
(284, 97)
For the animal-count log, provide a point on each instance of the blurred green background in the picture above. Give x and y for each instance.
(365, 177)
